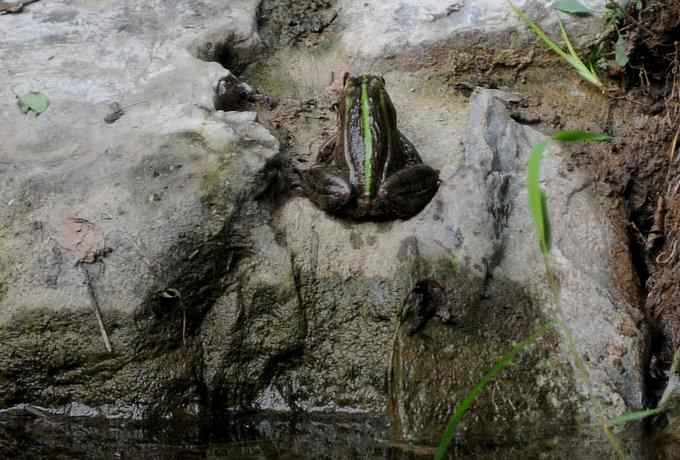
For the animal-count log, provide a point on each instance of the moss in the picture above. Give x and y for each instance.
(211, 182)
(215, 189)
(265, 76)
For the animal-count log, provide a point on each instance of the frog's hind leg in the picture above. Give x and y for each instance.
(406, 192)
(327, 187)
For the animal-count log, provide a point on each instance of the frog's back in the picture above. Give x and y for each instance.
(370, 144)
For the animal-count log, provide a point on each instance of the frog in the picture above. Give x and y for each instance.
(368, 169)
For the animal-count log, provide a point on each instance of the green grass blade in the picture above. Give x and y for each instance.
(577, 135)
(633, 416)
(538, 31)
(546, 242)
(565, 37)
(536, 197)
(586, 72)
(464, 405)
(571, 57)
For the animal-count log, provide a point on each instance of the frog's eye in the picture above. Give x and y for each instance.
(377, 83)
(349, 84)
(345, 77)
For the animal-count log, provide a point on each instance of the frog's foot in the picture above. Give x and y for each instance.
(326, 187)
(406, 192)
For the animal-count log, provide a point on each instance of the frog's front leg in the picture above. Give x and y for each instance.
(323, 159)
(409, 151)
(327, 150)
(406, 192)
(327, 187)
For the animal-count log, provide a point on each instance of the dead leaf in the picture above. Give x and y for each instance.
(84, 239)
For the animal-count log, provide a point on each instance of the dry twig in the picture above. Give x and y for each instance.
(97, 310)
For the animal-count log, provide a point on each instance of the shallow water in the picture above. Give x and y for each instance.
(30, 435)
(34, 434)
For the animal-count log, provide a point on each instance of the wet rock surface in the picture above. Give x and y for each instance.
(219, 290)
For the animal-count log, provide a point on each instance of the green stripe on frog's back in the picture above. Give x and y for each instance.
(368, 137)
(349, 105)
(387, 122)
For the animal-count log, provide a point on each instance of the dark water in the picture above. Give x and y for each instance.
(32, 435)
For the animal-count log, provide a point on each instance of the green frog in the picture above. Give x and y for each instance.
(369, 169)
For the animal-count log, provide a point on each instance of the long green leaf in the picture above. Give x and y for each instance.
(536, 197)
(538, 31)
(577, 135)
(571, 57)
(576, 62)
(565, 37)
(633, 416)
(464, 405)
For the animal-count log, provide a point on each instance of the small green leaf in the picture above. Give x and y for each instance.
(537, 198)
(34, 101)
(571, 7)
(620, 49)
(576, 135)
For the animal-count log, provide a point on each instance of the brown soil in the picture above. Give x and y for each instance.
(643, 173)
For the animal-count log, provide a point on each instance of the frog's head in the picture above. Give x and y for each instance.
(371, 86)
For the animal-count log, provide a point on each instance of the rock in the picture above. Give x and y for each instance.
(375, 29)
(593, 303)
(284, 307)
(475, 238)
(231, 94)
(138, 206)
